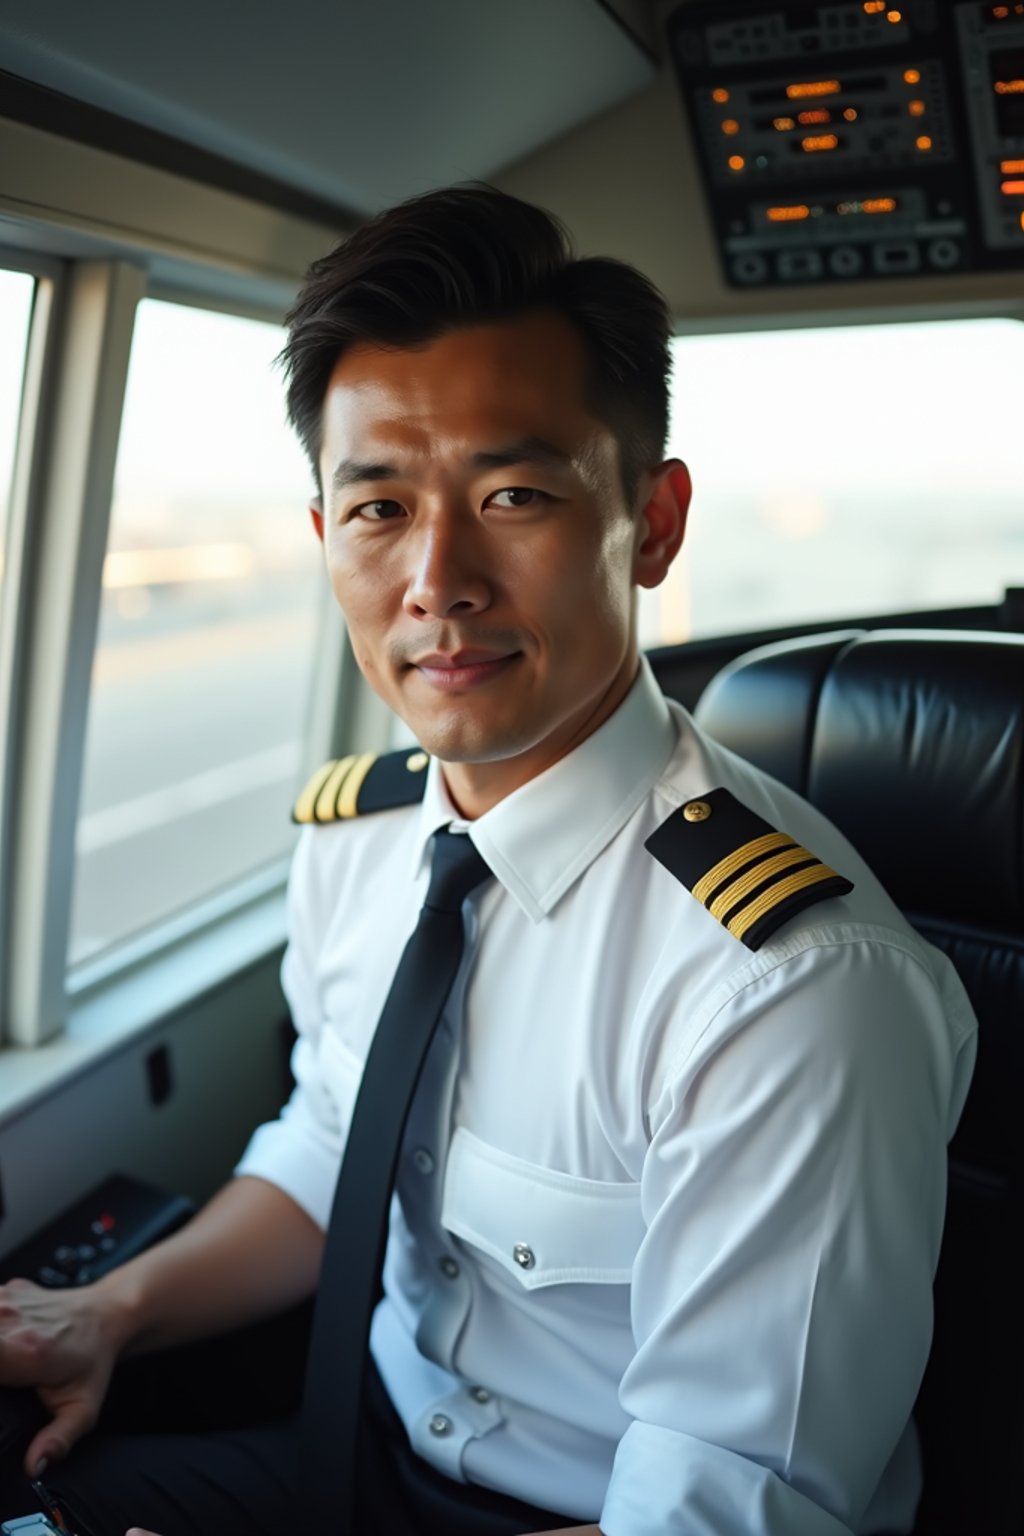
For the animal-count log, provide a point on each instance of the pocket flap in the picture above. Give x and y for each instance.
(543, 1227)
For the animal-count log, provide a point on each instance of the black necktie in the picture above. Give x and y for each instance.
(357, 1233)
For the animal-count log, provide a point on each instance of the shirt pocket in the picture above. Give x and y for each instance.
(340, 1072)
(541, 1226)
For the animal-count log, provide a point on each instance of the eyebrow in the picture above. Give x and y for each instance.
(529, 450)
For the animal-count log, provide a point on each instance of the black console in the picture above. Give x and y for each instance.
(857, 139)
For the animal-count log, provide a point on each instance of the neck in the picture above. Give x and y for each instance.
(475, 788)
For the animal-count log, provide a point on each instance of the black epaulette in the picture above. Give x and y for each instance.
(353, 785)
(750, 877)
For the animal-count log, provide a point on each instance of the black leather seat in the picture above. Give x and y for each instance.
(913, 743)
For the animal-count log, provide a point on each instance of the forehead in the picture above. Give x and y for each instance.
(517, 378)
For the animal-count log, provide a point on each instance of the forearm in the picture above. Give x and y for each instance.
(249, 1253)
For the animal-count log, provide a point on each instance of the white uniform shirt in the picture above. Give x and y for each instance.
(668, 1209)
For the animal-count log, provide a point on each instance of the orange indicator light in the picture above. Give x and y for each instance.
(787, 215)
(813, 88)
(815, 115)
(730, 125)
(924, 142)
(820, 141)
(1009, 87)
(721, 96)
(783, 124)
(736, 162)
(894, 16)
(850, 113)
(874, 7)
(878, 205)
(1002, 11)
(912, 76)
(1011, 167)
(917, 109)
(1022, 220)
(1013, 189)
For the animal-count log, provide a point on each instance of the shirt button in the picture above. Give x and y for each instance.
(449, 1268)
(480, 1394)
(440, 1425)
(524, 1256)
(422, 1160)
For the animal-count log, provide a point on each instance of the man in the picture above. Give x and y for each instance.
(670, 1196)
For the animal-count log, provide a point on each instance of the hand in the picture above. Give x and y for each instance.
(62, 1343)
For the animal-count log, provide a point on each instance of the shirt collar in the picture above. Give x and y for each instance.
(541, 838)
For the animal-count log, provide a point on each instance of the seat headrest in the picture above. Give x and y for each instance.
(911, 741)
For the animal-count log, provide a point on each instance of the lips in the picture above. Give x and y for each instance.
(463, 669)
(438, 661)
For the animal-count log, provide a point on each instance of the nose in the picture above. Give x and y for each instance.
(447, 574)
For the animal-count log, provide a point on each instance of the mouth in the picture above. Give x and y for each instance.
(464, 669)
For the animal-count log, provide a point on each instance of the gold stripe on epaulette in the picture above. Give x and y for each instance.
(745, 920)
(348, 797)
(740, 889)
(734, 862)
(325, 808)
(307, 800)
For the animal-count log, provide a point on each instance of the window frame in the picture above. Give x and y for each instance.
(81, 329)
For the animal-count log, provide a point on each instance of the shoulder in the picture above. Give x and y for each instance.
(361, 783)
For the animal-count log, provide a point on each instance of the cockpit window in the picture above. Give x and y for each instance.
(212, 596)
(844, 472)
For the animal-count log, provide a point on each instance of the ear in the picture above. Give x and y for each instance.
(316, 512)
(662, 522)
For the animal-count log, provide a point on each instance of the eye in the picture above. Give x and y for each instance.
(518, 496)
(378, 511)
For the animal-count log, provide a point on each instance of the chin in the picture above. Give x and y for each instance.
(470, 741)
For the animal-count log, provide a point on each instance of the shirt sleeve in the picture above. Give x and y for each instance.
(793, 1195)
(301, 1150)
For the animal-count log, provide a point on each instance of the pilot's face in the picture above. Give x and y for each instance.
(479, 541)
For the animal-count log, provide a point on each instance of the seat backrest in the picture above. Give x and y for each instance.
(912, 742)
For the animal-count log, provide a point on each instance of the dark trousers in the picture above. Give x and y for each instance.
(165, 1456)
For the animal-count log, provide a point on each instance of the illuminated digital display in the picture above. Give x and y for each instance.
(800, 92)
(1006, 67)
(817, 115)
(817, 143)
(870, 205)
(789, 214)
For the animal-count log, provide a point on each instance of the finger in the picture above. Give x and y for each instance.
(53, 1442)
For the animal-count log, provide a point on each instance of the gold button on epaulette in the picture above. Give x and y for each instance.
(748, 876)
(416, 762)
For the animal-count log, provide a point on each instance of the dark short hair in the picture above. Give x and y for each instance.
(469, 255)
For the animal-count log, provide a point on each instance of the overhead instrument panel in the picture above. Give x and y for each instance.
(859, 139)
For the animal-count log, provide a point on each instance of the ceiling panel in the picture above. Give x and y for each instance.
(360, 102)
